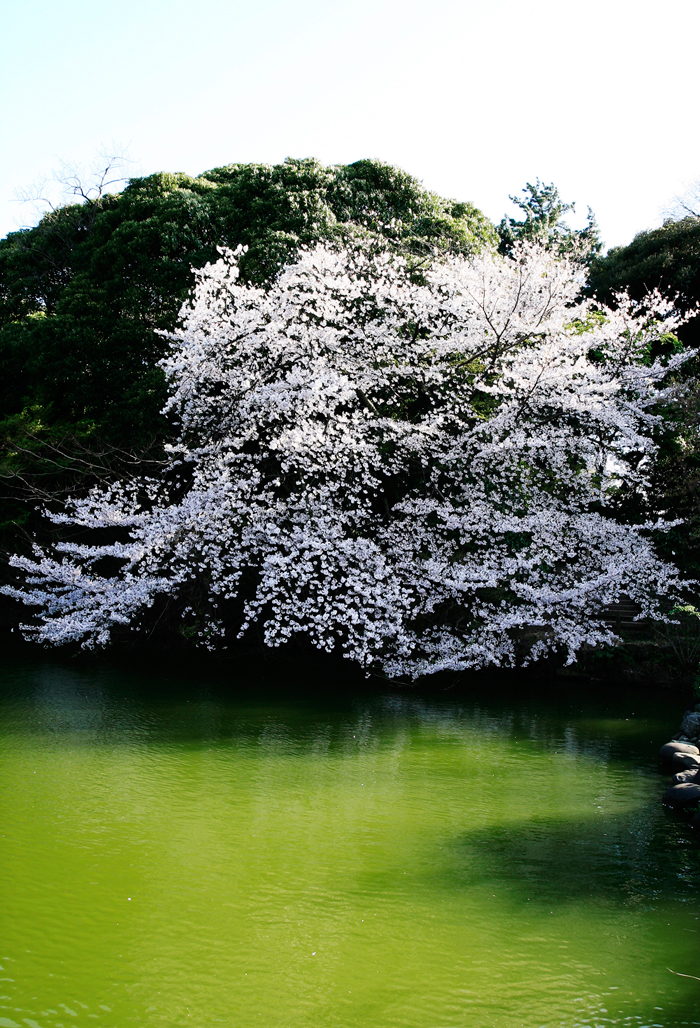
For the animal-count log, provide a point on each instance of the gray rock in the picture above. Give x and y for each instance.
(690, 725)
(684, 761)
(686, 776)
(685, 795)
(666, 752)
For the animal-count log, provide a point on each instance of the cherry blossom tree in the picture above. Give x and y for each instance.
(416, 467)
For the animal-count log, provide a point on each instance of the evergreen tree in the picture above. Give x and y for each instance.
(544, 212)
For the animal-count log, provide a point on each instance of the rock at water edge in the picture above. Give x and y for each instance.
(684, 795)
(666, 752)
(685, 761)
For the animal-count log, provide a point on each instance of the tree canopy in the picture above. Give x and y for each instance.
(85, 295)
(89, 301)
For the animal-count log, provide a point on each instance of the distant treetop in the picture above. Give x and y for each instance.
(544, 223)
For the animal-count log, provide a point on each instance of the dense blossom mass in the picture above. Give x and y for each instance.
(418, 467)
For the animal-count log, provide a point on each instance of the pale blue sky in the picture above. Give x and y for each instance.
(473, 98)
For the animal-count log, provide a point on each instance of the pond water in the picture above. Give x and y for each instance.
(189, 850)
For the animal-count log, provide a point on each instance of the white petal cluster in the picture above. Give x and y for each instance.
(414, 468)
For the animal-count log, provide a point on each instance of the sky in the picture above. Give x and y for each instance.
(474, 98)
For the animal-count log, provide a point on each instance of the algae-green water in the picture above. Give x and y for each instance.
(179, 850)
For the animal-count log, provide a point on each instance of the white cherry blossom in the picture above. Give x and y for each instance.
(416, 467)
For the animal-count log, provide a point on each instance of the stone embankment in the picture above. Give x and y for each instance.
(682, 757)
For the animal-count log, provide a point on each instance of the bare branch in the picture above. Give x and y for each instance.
(69, 181)
(685, 204)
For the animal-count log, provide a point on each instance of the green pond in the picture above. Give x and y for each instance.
(200, 848)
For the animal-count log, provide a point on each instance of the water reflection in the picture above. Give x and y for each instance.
(179, 850)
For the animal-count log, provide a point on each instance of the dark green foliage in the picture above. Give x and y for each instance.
(666, 258)
(84, 294)
(676, 479)
(544, 212)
